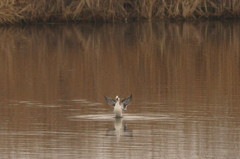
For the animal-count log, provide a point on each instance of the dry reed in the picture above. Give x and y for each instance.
(12, 11)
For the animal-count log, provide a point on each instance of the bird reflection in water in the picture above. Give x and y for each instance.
(120, 130)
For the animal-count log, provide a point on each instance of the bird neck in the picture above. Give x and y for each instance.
(118, 102)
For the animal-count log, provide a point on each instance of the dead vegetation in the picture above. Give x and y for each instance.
(12, 11)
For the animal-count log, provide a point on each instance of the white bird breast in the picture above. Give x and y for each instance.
(118, 110)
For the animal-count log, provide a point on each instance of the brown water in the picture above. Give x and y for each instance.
(185, 81)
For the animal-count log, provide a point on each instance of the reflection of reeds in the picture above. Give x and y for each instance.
(165, 53)
(110, 10)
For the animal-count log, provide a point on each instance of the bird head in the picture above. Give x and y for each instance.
(117, 98)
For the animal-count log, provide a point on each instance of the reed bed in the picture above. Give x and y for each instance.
(12, 11)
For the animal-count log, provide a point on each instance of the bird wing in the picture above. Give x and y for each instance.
(110, 101)
(126, 101)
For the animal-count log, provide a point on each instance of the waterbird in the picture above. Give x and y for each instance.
(118, 104)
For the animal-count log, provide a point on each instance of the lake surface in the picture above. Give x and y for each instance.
(184, 78)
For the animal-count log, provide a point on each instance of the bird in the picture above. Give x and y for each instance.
(118, 104)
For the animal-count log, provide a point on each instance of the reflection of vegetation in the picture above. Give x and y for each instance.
(109, 10)
(80, 56)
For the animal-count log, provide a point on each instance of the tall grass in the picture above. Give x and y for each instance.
(12, 11)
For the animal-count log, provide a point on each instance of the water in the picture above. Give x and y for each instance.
(184, 78)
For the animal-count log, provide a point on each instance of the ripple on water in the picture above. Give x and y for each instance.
(130, 117)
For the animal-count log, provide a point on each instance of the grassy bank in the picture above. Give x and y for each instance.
(12, 11)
